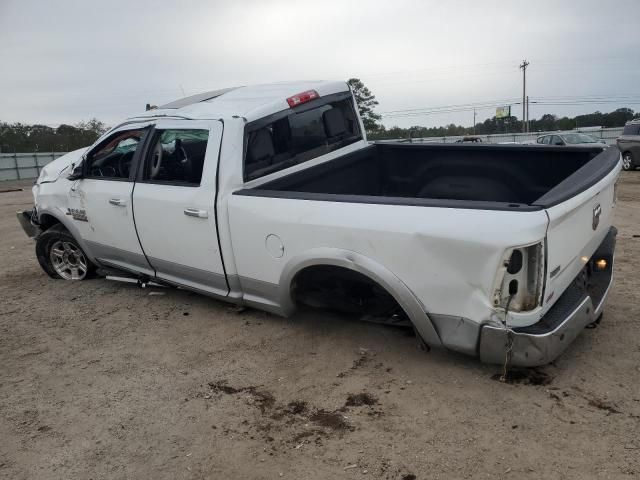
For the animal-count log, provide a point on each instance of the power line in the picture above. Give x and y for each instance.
(585, 101)
(489, 104)
(471, 104)
(447, 110)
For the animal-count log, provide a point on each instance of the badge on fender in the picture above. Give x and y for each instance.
(78, 214)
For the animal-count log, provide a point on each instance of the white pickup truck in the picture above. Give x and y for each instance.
(270, 196)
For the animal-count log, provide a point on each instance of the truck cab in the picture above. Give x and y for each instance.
(145, 197)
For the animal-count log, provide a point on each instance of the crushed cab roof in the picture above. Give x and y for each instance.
(250, 102)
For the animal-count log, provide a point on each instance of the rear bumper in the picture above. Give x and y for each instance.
(580, 305)
(24, 218)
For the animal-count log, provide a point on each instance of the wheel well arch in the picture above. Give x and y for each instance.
(344, 289)
(374, 272)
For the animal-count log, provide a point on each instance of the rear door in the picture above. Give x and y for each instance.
(174, 204)
(100, 203)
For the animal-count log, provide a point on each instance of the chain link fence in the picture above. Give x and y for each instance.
(18, 166)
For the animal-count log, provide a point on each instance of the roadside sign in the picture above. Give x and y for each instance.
(503, 112)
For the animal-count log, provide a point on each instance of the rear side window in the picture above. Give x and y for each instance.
(176, 157)
(296, 136)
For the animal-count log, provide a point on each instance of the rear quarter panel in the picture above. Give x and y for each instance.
(447, 257)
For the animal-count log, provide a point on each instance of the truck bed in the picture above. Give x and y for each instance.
(525, 177)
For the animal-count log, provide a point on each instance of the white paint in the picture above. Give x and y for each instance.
(449, 259)
(165, 231)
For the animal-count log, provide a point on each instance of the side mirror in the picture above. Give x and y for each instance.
(76, 173)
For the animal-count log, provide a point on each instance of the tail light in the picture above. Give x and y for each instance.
(521, 278)
(302, 97)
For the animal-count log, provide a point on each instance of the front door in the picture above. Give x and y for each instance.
(100, 203)
(174, 204)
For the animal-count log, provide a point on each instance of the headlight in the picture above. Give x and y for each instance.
(520, 280)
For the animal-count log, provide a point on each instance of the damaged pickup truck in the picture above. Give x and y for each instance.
(270, 196)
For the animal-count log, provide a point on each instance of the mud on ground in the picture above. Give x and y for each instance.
(102, 380)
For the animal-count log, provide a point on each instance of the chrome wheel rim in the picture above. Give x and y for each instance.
(68, 260)
(626, 162)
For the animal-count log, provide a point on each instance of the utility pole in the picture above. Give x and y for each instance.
(524, 66)
(474, 121)
(528, 126)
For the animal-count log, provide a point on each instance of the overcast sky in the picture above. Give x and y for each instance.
(65, 61)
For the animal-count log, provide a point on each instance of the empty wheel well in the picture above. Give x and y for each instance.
(344, 290)
(47, 221)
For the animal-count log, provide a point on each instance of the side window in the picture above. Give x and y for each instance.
(556, 140)
(540, 139)
(294, 137)
(112, 159)
(176, 156)
(546, 140)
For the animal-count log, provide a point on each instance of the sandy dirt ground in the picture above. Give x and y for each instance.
(101, 380)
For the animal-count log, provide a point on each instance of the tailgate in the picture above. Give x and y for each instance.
(577, 226)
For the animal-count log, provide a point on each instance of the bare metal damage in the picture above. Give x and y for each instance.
(580, 305)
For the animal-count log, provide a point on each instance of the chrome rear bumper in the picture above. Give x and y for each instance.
(543, 342)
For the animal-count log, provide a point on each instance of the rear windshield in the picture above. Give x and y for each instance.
(299, 135)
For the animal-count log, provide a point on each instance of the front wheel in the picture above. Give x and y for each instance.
(61, 257)
(627, 161)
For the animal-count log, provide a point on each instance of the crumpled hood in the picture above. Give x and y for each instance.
(54, 170)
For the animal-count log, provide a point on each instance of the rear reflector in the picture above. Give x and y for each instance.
(302, 97)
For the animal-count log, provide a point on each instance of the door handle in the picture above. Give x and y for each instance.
(194, 212)
(118, 202)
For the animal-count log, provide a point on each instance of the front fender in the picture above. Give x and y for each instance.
(69, 225)
(368, 267)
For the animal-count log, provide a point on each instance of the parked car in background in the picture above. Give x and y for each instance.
(471, 139)
(572, 138)
(596, 139)
(629, 145)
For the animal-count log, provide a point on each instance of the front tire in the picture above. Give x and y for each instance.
(627, 161)
(61, 257)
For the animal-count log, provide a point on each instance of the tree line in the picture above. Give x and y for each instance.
(548, 122)
(20, 137)
(367, 102)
